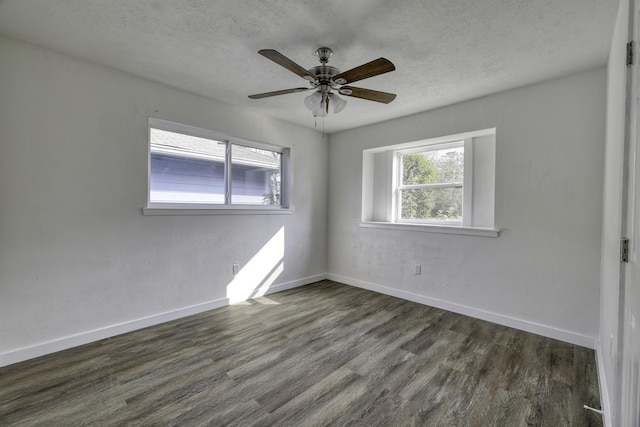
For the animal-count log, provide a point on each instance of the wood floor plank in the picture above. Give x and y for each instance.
(322, 354)
(324, 402)
(306, 375)
(372, 411)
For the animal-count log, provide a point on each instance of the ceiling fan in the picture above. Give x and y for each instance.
(325, 79)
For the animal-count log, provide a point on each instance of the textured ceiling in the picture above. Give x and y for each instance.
(445, 51)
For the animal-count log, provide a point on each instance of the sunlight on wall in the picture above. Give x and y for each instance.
(257, 275)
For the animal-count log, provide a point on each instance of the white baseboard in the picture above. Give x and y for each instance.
(512, 322)
(58, 344)
(63, 343)
(605, 399)
(296, 283)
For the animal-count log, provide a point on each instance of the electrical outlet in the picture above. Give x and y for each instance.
(236, 268)
(417, 269)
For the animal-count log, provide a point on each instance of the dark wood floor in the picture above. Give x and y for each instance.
(323, 354)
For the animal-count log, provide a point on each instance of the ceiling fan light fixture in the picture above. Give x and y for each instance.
(320, 112)
(323, 106)
(338, 103)
(313, 101)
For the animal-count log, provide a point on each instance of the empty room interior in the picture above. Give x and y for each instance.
(319, 213)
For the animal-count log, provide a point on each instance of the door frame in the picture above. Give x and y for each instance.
(627, 406)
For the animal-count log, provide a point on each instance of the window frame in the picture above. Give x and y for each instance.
(398, 186)
(380, 179)
(175, 208)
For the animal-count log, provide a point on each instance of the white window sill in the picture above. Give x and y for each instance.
(433, 228)
(215, 210)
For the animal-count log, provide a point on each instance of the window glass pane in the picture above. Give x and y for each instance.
(185, 169)
(255, 176)
(433, 167)
(432, 204)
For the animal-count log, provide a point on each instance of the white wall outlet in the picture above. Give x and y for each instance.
(417, 269)
(236, 268)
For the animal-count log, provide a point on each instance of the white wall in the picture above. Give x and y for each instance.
(612, 214)
(542, 272)
(78, 260)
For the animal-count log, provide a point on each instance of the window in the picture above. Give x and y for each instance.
(430, 183)
(444, 184)
(191, 167)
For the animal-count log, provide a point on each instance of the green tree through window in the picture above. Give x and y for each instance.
(431, 186)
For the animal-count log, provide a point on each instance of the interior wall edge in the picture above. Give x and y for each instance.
(41, 349)
(512, 322)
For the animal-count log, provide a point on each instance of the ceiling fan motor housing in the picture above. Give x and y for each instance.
(324, 73)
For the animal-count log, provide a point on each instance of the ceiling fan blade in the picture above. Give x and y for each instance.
(368, 94)
(279, 92)
(370, 69)
(282, 60)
